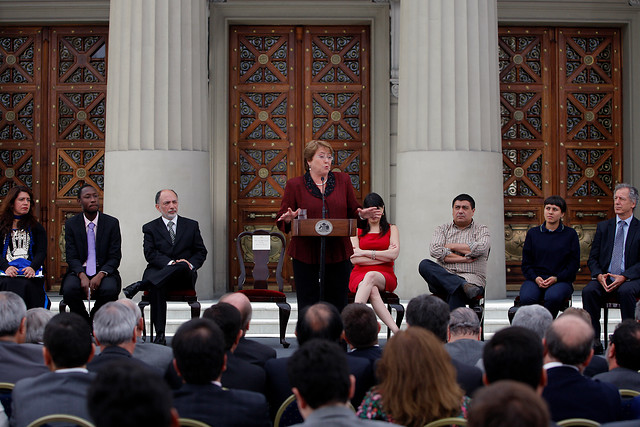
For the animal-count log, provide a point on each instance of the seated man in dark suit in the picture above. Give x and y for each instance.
(175, 251)
(198, 346)
(92, 245)
(17, 359)
(239, 373)
(321, 320)
(569, 394)
(623, 355)
(249, 350)
(614, 261)
(430, 312)
(361, 330)
(508, 403)
(67, 349)
(320, 380)
(463, 336)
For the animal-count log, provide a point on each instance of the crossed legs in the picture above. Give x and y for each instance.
(369, 290)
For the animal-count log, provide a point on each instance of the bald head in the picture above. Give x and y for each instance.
(569, 340)
(242, 303)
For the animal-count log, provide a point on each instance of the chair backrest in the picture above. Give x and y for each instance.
(578, 422)
(189, 422)
(260, 272)
(61, 418)
(625, 392)
(450, 421)
(5, 397)
(288, 413)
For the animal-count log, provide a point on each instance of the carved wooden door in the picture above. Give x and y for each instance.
(561, 131)
(52, 121)
(289, 85)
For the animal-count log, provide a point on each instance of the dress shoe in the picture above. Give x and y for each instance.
(160, 339)
(472, 291)
(131, 290)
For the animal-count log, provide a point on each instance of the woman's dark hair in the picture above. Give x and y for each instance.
(6, 211)
(556, 201)
(374, 199)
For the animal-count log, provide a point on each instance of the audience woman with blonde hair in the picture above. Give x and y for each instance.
(417, 382)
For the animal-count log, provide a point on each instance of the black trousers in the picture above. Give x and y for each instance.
(75, 296)
(336, 283)
(593, 296)
(158, 282)
(30, 290)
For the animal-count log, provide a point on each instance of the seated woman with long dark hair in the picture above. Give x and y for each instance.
(374, 251)
(24, 248)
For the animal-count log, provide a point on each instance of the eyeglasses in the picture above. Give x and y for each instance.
(323, 157)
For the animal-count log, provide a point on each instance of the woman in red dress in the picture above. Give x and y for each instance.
(374, 251)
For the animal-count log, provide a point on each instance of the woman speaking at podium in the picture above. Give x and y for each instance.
(306, 192)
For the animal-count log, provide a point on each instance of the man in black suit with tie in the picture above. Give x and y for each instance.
(614, 261)
(174, 249)
(92, 241)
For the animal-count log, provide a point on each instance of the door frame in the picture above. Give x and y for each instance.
(223, 15)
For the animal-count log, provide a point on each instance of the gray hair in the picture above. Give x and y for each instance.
(637, 316)
(114, 324)
(132, 306)
(464, 321)
(37, 319)
(12, 311)
(533, 317)
(633, 192)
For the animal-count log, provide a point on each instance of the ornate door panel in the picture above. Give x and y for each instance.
(570, 143)
(52, 120)
(289, 85)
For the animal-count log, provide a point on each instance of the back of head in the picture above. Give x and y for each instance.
(126, 395)
(12, 311)
(514, 353)
(626, 339)
(417, 380)
(319, 320)
(319, 370)
(228, 319)
(429, 312)
(135, 310)
(37, 319)
(569, 339)
(360, 325)
(464, 321)
(67, 337)
(533, 317)
(198, 347)
(242, 303)
(114, 324)
(506, 404)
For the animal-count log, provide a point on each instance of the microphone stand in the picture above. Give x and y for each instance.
(322, 248)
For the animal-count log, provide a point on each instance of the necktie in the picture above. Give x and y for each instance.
(172, 232)
(91, 249)
(618, 249)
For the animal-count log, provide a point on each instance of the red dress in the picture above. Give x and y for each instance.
(373, 242)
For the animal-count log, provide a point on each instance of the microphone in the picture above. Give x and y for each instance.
(324, 209)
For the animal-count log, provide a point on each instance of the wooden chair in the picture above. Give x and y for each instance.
(178, 295)
(189, 422)
(260, 275)
(393, 303)
(450, 421)
(578, 422)
(61, 418)
(628, 394)
(288, 413)
(611, 301)
(5, 397)
(517, 304)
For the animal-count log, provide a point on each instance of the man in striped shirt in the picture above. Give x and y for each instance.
(461, 249)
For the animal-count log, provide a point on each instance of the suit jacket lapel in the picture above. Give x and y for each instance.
(82, 233)
(162, 229)
(180, 222)
(633, 229)
(100, 235)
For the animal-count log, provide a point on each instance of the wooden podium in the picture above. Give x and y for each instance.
(324, 227)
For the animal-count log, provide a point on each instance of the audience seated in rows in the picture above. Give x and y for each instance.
(67, 349)
(37, 319)
(361, 330)
(463, 336)
(623, 356)
(431, 313)
(200, 359)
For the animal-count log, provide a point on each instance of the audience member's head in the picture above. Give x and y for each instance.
(569, 340)
(37, 319)
(198, 349)
(417, 380)
(625, 346)
(515, 353)
(135, 310)
(534, 317)
(319, 375)
(361, 325)
(637, 314)
(506, 404)
(228, 319)
(320, 320)
(580, 312)
(242, 303)
(464, 324)
(429, 312)
(126, 395)
(114, 324)
(13, 317)
(67, 342)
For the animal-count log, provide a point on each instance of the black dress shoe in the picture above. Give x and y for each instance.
(160, 339)
(131, 290)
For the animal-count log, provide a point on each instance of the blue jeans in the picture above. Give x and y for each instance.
(552, 297)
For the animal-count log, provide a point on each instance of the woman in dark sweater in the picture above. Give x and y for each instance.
(550, 259)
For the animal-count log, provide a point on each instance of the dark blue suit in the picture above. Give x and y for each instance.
(593, 294)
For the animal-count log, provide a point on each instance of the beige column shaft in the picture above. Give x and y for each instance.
(448, 129)
(157, 120)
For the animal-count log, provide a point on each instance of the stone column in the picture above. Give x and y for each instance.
(157, 121)
(448, 129)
